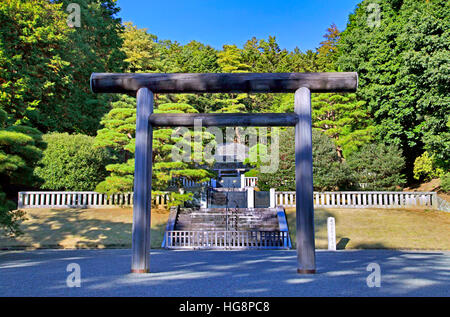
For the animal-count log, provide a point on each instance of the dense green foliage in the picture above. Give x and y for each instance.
(343, 118)
(404, 73)
(372, 167)
(118, 135)
(377, 167)
(71, 162)
(45, 65)
(377, 137)
(445, 182)
(9, 218)
(425, 168)
(20, 150)
(329, 171)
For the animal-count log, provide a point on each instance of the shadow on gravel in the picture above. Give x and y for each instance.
(224, 273)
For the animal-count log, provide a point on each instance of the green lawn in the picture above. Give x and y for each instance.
(355, 228)
(83, 228)
(381, 228)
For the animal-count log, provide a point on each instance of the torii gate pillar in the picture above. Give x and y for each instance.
(140, 257)
(306, 258)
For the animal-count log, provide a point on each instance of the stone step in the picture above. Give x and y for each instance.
(229, 220)
(215, 219)
(230, 215)
(187, 228)
(229, 224)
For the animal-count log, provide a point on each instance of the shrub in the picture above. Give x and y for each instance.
(20, 150)
(72, 162)
(377, 167)
(329, 172)
(9, 218)
(425, 168)
(252, 173)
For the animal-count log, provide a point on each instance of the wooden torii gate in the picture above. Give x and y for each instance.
(144, 85)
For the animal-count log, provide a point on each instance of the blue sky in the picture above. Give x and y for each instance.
(300, 23)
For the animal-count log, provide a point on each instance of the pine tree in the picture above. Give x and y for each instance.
(230, 60)
(344, 119)
(20, 150)
(328, 49)
(119, 136)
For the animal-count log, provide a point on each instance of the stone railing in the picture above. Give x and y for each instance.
(360, 199)
(442, 204)
(248, 181)
(227, 239)
(54, 199)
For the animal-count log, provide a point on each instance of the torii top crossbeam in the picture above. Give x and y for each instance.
(224, 82)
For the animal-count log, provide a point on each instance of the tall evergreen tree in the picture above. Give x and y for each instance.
(141, 49)
(20, 150)
(45, 65)
(118, 135)
(230, 60)
(402, 62)
(344, 119)
(329, 171)
(327, 51)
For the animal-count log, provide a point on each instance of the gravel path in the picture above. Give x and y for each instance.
(224, 273)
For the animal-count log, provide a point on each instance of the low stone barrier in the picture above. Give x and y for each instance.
(361, 199)
(55, 199)
(348, 199)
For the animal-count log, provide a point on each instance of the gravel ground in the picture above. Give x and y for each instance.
(270, 273)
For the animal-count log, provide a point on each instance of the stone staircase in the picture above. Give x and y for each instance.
(215, 219)
(219, 228)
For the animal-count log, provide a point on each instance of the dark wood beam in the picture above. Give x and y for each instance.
(223, 82)
(304, 203)
(223, 119)
(140, 249)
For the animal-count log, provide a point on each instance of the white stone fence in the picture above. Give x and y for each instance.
(53, 199)
(248, 181)
(360, 199)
